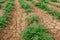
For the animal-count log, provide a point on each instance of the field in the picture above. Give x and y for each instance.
(29, 19)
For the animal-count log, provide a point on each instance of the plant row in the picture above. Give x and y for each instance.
(7, 8)
(44, 6)
(25, 6)
(57, 5)
(54, 0)
(1, 2)
(34, 30)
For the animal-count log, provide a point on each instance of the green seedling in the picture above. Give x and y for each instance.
(45, 7)
(57, 5)
(36, 32)
(2, 1)
(25, 6)
(8, 6)
(32, 18)
(3, 17)
(54, 0)
(45, 1)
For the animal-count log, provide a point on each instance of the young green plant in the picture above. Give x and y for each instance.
(45, 7)
(31, 19)
(54, 0)
(36, 31)
(25, 6)
(3, 17)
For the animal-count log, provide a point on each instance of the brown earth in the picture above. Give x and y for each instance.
(17, 22)
(1, 11)
(54, 7)
(49, 21)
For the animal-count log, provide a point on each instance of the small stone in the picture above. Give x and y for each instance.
(54, 21)
(57, 36)
(54, 31)
(57, 26)
(49, 26)
(53, 24)
(58, 23)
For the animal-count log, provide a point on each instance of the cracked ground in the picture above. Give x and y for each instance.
(17, 22)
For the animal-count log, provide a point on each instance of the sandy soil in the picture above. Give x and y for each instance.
(11, 31)
(17, 22)
(54, 7)
(49, 21)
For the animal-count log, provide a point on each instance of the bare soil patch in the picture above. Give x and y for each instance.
(17, 22)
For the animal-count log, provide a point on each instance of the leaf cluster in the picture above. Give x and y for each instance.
(3, 20)
(8, 6)
(54, 13)
(54, 0)
(3, 17)
(42, 5)
(45, 1)
(57, 5)
(45, 7)
(29, 0)
(31, 19)
(2, 1)
(0, 6)
(25, 6)
(36, 32)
